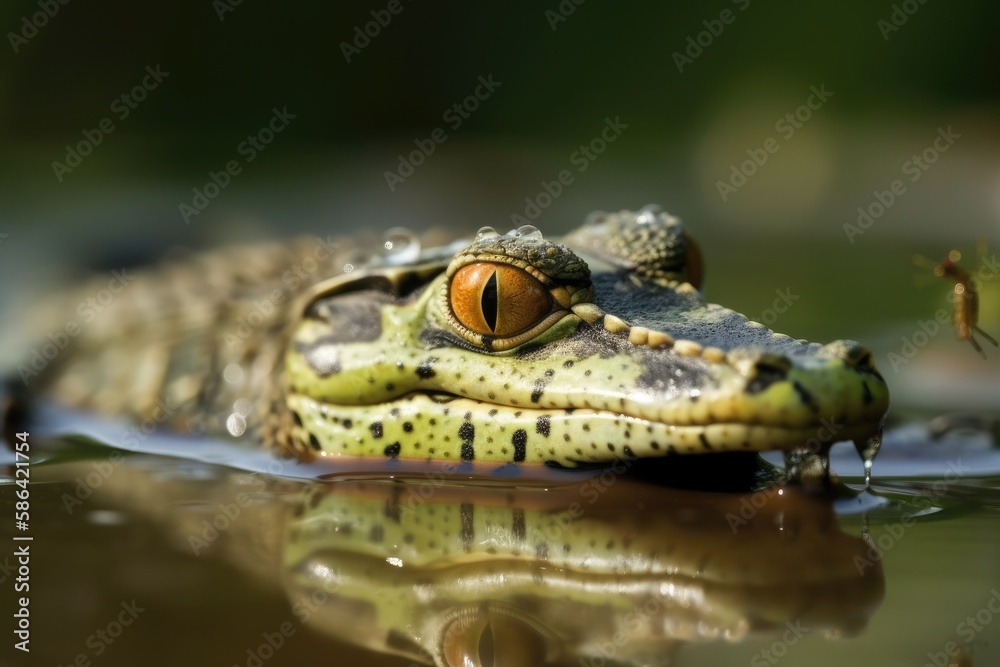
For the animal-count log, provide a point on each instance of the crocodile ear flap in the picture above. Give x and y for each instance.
(399, 282)
(342, 284)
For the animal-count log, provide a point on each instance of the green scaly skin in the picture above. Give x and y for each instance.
(592, 386)
(628, 360)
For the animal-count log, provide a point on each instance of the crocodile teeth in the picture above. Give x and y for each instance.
(615, 324)
(688, 348)
(659, 339)
(638, 335)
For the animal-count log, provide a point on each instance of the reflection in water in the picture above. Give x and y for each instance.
(477, 573)
(468, 574)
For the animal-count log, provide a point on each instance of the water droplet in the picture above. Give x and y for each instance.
(236, 424)
(106, 518)
(401, 246)
(528, 232)
(233, 373)
(486, 233)
(648, 214)
(868, 449)
(348, 268)
(243, 407)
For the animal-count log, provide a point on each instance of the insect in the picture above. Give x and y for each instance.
(964, 298)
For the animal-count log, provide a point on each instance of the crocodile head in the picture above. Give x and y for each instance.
(516, 348)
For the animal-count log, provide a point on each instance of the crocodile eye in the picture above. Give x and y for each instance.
(498, 299)
(492, 640)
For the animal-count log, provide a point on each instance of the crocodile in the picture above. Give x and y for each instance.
(509, 349)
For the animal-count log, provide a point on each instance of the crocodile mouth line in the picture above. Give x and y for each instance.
(429, 425)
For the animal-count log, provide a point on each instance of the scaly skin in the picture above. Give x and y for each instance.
(623, 359)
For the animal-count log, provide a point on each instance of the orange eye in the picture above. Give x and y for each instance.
(497, 299)
(492, 640)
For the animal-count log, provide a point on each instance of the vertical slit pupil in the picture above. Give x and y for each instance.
(489, 302)
(486, 648)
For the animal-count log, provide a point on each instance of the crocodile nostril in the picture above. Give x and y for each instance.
(768, 370)
(858, 357)
(851, 353)
(865, 363)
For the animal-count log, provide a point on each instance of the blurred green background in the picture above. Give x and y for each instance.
(898, 72)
